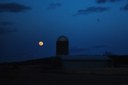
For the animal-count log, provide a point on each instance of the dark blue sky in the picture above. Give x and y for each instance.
(92, 26)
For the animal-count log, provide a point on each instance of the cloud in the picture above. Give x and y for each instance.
(79, 49)
(114, 0)
(13, 7)
(125, 8)
(5, 30)
(5, 23)
(101, 1)
(54, 5)
(88, 49)
(104, 1)
(99, 46)
(91, 10)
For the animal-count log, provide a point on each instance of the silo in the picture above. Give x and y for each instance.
(62, 46)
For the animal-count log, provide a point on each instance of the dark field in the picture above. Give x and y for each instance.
(51, 72)
(38, 76)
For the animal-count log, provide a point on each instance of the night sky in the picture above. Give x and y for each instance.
(92, 27)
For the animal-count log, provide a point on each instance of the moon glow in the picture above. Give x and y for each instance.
(41, 43)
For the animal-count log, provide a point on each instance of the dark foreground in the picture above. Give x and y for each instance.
(64, 77)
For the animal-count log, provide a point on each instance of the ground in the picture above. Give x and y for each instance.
(39, 76)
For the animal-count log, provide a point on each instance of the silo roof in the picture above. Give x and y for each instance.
(62, 38)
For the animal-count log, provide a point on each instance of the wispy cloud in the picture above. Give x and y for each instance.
(54, 5)
(5, 23)
(114, 0)
(125, 8)
(91, 10)
(88, 49)
(13, 7)
(101, 1)
(6, 30)
(104, 1)
(79, 49)
(99, 46)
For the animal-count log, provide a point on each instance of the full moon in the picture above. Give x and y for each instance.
(41, 43)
